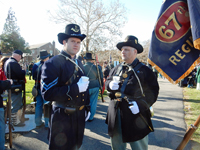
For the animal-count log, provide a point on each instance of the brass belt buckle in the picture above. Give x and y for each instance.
(118, 94)
(17, 90)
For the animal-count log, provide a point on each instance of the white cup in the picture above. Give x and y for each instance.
(85, 78)
(116, 78)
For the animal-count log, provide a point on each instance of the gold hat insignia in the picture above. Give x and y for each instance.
(76, 29)
(135, 41)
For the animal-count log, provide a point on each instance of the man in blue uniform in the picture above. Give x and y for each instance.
(44, 56)
(92, 73)
(18, 76)
(63, 82)
(133, 89)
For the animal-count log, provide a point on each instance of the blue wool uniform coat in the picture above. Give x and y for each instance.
(16, 71)
(36, 72)
(133, 127)
(66, 130)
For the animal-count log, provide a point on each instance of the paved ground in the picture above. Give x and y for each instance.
(168, 123)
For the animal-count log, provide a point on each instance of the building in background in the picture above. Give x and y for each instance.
(50, 47)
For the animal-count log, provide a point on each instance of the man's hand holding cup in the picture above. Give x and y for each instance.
(114, 84)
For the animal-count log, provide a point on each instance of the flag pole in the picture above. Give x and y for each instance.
(188, 134)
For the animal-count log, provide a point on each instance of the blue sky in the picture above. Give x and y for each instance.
(37, 29)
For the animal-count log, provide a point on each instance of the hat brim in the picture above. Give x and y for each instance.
(63, 36)
(138, 47)
(44, 57)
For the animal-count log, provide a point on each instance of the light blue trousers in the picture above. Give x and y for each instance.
(116, 140)
(39, 110)
(94, 92)
(2, 129)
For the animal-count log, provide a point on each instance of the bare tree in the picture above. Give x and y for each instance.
(144, 55)
(97, 20)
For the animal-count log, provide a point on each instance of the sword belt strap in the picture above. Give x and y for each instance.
(64, 105)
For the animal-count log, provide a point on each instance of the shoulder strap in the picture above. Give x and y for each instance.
(71, 79)
(134, 71)
(136, 68)
(89, 71)
(76, 64)
(93, 72)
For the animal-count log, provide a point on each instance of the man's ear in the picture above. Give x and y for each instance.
(135, 51)
(64, 42)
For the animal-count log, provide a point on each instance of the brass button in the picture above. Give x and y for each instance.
(83, 94)
(83, 100)
(124, 75)
(68, 98)
(77, 75)
(81, 107)
(77, 96)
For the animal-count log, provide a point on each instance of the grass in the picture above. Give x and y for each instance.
(192, 109)
(29, 86)
(104, 95)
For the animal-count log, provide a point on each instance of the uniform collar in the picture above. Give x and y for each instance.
(89, 63)
(67, 55)
(134, 63)
(13, 58)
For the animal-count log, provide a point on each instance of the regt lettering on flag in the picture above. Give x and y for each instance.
(172, 52)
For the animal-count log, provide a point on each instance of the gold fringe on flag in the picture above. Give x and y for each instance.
(179, 79)
(197, 43)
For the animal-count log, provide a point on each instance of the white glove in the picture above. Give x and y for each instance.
(83, 84)
(113, 85)
(87, 115)
(134, 107)
(11, 81)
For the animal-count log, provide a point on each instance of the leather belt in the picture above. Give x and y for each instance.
(69, 109)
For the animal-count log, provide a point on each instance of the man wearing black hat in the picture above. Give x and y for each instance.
(133, 89)
(44, 56)
(64, 83)
(13, 70)
(92, 73)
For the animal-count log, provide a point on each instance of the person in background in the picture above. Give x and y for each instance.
(30, 67)
(198, 78)
(44, 56)
(106, 71)
(18, 76)
(133, 89)
(4, 85)
(63, 82)
(81, 59)
(0, 54)
(2, 73)
(94, 85)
